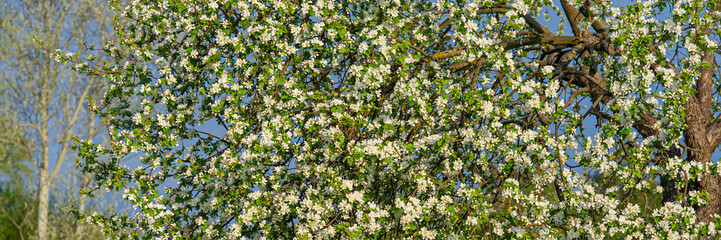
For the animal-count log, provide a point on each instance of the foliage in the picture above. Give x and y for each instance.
(410, 119)
(17, 211)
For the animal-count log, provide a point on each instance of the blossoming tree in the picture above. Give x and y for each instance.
(411, 119)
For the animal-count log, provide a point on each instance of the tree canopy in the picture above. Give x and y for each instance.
(410, 119)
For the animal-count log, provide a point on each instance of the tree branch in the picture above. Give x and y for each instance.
(574, 17)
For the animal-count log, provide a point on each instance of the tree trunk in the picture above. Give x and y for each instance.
(43, 128)
(79, 224)
(700, 150)
(85, 181)
(43, 195)
(700, 146)
(700, 131)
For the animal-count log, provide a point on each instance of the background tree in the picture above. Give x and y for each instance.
(423, 119)
(48, 99)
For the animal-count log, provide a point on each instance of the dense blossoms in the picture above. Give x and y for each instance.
(404, 119)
